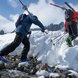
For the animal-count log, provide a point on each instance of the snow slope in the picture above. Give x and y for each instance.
(48, 48)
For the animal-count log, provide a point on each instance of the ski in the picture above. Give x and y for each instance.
(58, 6)
(69, 6)
(63, 7)
(25, 7)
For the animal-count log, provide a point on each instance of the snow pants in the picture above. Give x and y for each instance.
(11, 47)
(72, 30)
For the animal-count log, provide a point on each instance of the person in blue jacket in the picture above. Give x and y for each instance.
(23, 25)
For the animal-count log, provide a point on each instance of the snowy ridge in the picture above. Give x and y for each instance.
(42, 45)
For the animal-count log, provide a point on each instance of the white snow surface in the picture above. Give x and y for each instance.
(42, 46)
(42, 73)
(54, 74)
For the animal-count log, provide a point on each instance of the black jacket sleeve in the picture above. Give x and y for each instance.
(35, 20)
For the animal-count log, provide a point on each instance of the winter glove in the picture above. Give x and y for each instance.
(43, 30)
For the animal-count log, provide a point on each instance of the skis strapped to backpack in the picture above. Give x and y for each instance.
(25, 7)
(63, 8)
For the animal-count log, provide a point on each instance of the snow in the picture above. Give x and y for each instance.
(42, 47)
(42, 73)
(41, 77)
(47, 52)
(71, 57)
(54, 75)
(74, 73)
(62, 67)
(23, 64)
(6, 39)
(15, 73)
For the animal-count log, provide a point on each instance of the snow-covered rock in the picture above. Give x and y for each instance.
(54, 75)
(23, 64)
(73, 73)
(62, 67)
(42, 73)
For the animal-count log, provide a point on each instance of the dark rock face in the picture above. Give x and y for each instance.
(55, 27)
(29, 69)
(2, 66)
(51, 27)
(2, 32)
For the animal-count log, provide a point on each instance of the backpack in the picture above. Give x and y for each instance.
(68, 15)
(20, 20)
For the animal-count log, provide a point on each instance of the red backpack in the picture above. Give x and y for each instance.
(74, 16)
(74, 19)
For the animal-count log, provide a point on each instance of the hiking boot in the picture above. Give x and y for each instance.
(69, 41)
(25, 59)
(3, 59)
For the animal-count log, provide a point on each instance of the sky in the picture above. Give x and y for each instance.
(69, 1)
(8, 7)
(47, 14)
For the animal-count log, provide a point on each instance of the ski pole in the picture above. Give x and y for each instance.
(58, 36)
(25, 7)
(58, 39)
(63, 8)
(46, 32)
(61, 37)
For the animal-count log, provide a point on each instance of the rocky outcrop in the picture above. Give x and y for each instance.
(34, 69)
(2, 32)
(55, 27)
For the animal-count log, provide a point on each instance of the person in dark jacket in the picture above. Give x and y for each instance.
(23, 25)
(71, 25)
